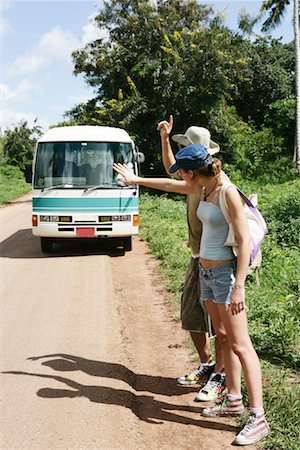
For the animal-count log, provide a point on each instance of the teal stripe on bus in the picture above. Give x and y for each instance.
(97, 204)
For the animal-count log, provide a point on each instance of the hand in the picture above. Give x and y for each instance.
(128, 176)
(237, 299)
(165, 127)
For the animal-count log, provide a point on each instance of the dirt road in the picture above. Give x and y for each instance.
(90, 349)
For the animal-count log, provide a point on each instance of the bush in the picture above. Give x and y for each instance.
(12, 183)
(251, 153)
(18, 144)
(283, 217)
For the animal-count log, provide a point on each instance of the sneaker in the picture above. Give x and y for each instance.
(255, 429)
(213, 389)
(226, 408)
(199, 375)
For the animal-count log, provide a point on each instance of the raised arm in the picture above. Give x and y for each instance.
(165, 128)
(161, 184)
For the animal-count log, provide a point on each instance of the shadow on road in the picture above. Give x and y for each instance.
(23, 244)
(145, 407)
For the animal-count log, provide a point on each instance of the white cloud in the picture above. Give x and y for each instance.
(55, 45)
(50, 54)
(14, 106)
(19, 95)
(91, 31)
(10, 118)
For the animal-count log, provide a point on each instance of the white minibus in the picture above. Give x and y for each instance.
(76, 192)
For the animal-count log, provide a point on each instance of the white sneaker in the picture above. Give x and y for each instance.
(255, 429)
(214, 388)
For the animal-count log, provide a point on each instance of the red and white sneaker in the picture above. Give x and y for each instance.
(255, 429)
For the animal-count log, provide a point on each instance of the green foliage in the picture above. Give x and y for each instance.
(177, 57)
(161, 219)
(282, 405)
(12, 183)
(274, 307)
(249, 152)
(281, 116)
(283, 216)
(18, 144)
(275, 9)
(270, 77)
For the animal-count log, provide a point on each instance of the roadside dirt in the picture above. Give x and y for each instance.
(90, 350)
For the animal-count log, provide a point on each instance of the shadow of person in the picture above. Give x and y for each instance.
(145, 407)
(140, 382)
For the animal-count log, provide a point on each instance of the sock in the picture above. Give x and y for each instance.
(235, 403)
(259, 412)
(234, 397)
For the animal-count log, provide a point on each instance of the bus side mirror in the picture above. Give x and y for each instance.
(139, 157)
(28, 173)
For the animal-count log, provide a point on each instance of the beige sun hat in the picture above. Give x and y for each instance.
(197, 135)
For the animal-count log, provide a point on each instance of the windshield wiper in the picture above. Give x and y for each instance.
(63, 186)
(101, 186)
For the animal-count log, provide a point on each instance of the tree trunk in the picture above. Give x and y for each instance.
(297, 51)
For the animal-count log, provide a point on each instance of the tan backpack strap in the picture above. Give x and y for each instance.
(223, 201)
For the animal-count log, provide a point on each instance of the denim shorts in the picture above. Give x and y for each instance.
(217, 283)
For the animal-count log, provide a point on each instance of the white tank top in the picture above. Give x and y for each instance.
(214, 232)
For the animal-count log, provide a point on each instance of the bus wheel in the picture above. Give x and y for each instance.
(127, 242)
(46, 245)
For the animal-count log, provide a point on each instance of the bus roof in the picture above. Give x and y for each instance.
(86, 133)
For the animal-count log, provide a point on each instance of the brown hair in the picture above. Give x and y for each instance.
(209, 170)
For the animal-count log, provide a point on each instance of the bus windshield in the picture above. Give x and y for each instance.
(80, 164)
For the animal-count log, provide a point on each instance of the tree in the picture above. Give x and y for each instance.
(269, 78)
(18, 143)
(276, 9)
(173, 56)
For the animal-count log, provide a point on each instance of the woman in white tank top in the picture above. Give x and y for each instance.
(222, 279)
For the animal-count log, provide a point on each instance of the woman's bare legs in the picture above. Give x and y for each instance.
(236, 327)
(231, 360)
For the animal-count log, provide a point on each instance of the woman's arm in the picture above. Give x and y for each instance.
(241, 231)
(165, 128)
(162, 184)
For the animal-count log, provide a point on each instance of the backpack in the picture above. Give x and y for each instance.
(257, 225)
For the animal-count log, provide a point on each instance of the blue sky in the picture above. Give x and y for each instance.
(37, 38)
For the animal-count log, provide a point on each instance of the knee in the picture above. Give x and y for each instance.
(240, 350)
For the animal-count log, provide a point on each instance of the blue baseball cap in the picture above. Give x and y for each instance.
(191, 157)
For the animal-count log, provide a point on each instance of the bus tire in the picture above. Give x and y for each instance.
(127, 242)
(46, 245)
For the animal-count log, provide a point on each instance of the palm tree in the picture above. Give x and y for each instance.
(276, 9)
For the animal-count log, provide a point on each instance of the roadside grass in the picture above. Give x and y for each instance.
(12, 184)
(273, 307)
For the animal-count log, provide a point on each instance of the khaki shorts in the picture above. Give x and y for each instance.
(193, 314)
